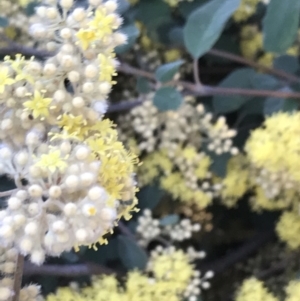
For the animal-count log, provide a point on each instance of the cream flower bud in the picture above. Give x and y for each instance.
(37, 257)
(49, 69)
(81, 235)
(96, 193)
(78, 102)
(74, 76)
(6, 124)
(22, 158)
(72, 181)
(108, 214)
(91, 71)
(26, 245)
(14, 203)
(22, 194)
(79, 14)
(35, 191)
(55, 192)
(82, 153)
(6, 231)
(51, 13)
(66, 33)
(89, 210)
(66, 3)
(5, 153)
(59, 226)
(19, 220)
(8, 267)
(104, 88)
(70, 209)
(5, 293)
(31, 229)
(87, 179)
(111, 6)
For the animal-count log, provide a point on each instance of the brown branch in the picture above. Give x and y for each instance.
(73, 270)
(240, 254)
(18, 277)
(236, 58)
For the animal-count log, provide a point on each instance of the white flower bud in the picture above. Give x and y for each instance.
(26, 245)
(95, 2)
(111, 6)
(81, 235)
(78, 14)
(206, 285)
(35, 171)
(31, 228)
(11, 254)
(72, 181)
(19, 220)
(88, 87)
(14, 203)
(108, 214)
(65, 147)
(100, 106)
(37, 257)
(38, 31)
(6, 231)
(41, 11)
(59, 226)
(49, 69)
(78, 102)
(104, 88)
(82, 153)
(6, 124)
(74, 76)
(91, 71)
(70, 209)
(96, 193)
(32, 139)
(51, 13)
(5, 293)
(59, 96)
(22, 194)
(33, 289)
(120, 38)
(5, 153)
(22, 158)
(63, 237)
(8, 267)
(66, 33)
(87, 179)
(35, 191)
(209, 274)
(66, 3)
(67, 61)
(55, 192)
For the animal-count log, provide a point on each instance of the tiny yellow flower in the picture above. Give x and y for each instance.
(38, 105)
(4, 79)
(85, 37)
(52, 161)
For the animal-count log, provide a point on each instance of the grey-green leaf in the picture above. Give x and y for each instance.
(3, 22)
(131, 254)
(287, 63)
(149, 196)
(166, 72)
(167, 98)
(241, 78)
(205, 25)
(143, 85)
(280, 25)
(169, 220)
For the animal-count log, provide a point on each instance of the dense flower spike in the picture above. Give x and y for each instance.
(72, 174)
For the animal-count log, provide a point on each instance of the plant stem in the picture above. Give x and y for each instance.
(196, 72)
(7, 193)
(18, 277)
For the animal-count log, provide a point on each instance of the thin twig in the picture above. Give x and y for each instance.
(196, 72)
(236, 58)
(240, 254)
(73, 270)
(18, 277)
(124, 230)
(7, 193)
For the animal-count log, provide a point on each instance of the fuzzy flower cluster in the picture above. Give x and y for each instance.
(18, 21)
(170, 275)
(273, 152)
(172, 147)
(247, 9)
(251, 45)
(150, 228)
(254, 289)
(73, 178)
(8, 258)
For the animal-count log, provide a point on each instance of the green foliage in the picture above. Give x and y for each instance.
(3, 22)
(149, 196)
(169, 220)
(167, 98)
(286, 63)
(142, 85)
(280, 25)
(166, 72)
(241, 78)
(131, 254)
(205, 25)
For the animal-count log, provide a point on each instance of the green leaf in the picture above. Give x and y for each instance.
(205, 25)
(175, 36)
(275, 104)
(132, 33)
(287, 63)
(169, 220)
(280, 25)
(149, 196)
(265, 82)
(131, 254)
(237, 79)
(166, 72)
(219, 164)
(167, 98)
(123, 6)
(143, 85)
(3, 22)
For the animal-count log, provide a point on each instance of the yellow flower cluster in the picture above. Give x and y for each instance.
(246, 9)
(273, 151)
(288, 229)
(251, 45)
(172, 274)
(236, 182)
(253, 289)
